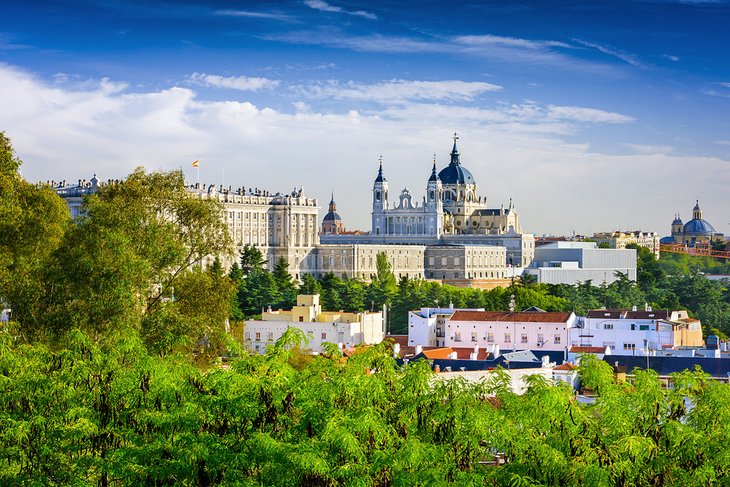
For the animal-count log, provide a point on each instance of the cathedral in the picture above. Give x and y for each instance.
(451, 206)
(695, 231)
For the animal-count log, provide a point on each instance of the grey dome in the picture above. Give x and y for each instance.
(332, 216)
(698, 227)
(455, 173)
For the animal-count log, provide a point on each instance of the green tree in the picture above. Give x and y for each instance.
(251, 258)
(33, 220)
(285, 284)
(118, 265)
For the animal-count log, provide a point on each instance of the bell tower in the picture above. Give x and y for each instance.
(380, 202)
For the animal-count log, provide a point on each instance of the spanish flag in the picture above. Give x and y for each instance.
(195, 163)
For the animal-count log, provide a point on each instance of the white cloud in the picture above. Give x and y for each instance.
(326, 7)
(582, 114)
(670, 57)
(491, 40)
(254, 15)
(649, 149)
(398, 91)
(70, 132)
(623, 56)
(242, 83)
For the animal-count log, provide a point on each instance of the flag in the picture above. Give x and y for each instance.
(195, 163)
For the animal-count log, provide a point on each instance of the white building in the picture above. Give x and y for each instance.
(345, 329)
(490, 330)
(573, 262)
(637, 332)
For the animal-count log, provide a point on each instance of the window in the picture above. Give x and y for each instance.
(556, 340)
(270, 336)
(630, 346)
(439, 333)
(474, 336)
(258, 335)
(324, 335)
(457, 336)
(301, 318)
(540, 339)
(247, 336)
(507, 338)
(608, 326)
(523, 339)
(644, 327)
(490, 337)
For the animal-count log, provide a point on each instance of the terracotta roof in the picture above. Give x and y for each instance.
(438, 353)
(464, 353)
(549, 317)
(587, 350)
(565, 366)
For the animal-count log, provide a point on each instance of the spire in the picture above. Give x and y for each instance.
(434, 174)
(696, 211)
(455, 153)
(380, 178)
(333, 206)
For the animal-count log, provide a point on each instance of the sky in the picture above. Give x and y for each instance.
(591, 116)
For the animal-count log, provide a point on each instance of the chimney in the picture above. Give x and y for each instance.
(419, 349)
(453, 356)
(633, 308)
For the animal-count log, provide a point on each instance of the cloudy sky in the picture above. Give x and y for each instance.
(591, 116)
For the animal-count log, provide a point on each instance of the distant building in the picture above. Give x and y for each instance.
(338, 327)
(332, 222)
(637, 332)
(695, 231)
(451, 213)
(573, 262)
(619, 240)
(490, 330)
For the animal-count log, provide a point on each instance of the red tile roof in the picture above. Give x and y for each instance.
(565, 366)
(438, 353)
(587, 350)
(464, 353)
(549, 317)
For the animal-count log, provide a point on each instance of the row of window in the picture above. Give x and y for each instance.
(507, 337)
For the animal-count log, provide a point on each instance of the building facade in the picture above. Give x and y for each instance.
(343, 329)
(637, 332)
(573, 262)
(619, 240)
(438, 327)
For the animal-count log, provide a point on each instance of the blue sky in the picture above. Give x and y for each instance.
(592, 116)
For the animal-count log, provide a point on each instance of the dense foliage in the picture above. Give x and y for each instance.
(83, 416)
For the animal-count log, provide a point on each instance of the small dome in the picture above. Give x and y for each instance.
(332, 216)
(666, 240)
(698, 227)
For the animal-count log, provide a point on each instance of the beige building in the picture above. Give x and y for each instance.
(619, 240)
(338, 327)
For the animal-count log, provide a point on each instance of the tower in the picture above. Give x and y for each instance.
(434, 205)
(677, 228)
(380, 202)
(332, 223)
(696, 211)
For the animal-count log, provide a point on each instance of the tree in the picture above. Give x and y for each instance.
(118, 265)
(251, 258)
(33, 220)
(285, 284)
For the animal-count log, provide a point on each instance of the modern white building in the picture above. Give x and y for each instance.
(637, 332)
(490, 330)
(573, 262)
(338, 327)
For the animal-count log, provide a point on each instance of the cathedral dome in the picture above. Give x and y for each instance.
(332, 216)
(455, 173)
(698, 227)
